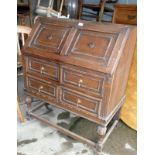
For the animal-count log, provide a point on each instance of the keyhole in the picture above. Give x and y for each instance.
(50, 37)
(91, 45)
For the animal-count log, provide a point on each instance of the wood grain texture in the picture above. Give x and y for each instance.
(125, 14)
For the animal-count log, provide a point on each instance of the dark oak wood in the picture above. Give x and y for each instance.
(84, 70)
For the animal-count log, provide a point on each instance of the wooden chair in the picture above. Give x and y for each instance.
(24, 10)
(49, 10)
(99, 8)
(22, 33)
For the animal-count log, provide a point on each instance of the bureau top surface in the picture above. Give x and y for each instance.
(92, 45)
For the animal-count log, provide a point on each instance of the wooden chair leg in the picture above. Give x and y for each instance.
(21, 20)
(102, 4)
(30, 17)
(19, 110)
(79, 14)
(97, 16)
(101, 134)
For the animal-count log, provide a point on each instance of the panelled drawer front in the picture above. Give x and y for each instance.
(42, 88)
(82, 80)
(43, 68)
(81, 102)
(50, 38)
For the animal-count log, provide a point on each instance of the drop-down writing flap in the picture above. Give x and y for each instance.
(92, 45)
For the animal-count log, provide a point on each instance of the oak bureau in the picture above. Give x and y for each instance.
(81, 67)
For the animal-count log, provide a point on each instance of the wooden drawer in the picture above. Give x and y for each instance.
(81, 102)
(44, 89)
(125, 14)
(50, 38)
(43, 68)
(81, 79)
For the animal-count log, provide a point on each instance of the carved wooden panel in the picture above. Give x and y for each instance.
(43, 68)
(41, 88)
(93, 45)
(82, 79)
(125, 14)
(50, 38)
(80, 101)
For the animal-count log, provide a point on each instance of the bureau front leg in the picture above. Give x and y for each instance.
(28, 102)
(101, 131)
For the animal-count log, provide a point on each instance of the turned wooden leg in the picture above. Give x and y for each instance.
(116, 117)
(97, 16)
(118, 114)
(21, 20)
(101, 131)
(28, 102)
(30, 17)
(79, 14)
(102, 4)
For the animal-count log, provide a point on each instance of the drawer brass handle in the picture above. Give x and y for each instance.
(78, 102)
(40, 88)
(91, 45)
(42, 70)
(131, 16)
(80, 82)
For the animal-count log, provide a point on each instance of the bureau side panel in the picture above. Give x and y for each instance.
(120, 77)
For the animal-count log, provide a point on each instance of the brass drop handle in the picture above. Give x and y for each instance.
(80, 82)
(40, 88)
(78, 102)
(131, 17)
(42, 70)
(91, 45)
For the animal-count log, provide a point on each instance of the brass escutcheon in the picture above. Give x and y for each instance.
(42, 69)
(80, 82)
(78, 101)
(91, 45)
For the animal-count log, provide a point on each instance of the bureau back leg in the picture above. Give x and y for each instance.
(47, 107)
(101, 131)
(28, 102)
(116, 117)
